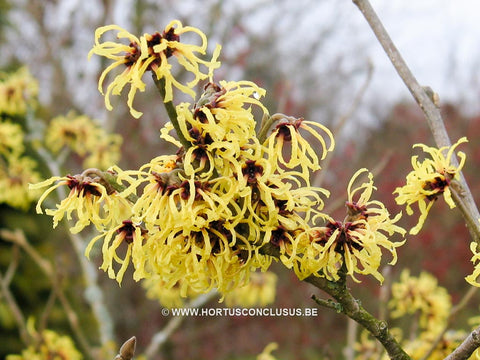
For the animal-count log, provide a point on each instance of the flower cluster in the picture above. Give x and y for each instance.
(85, 138)
(216, 211)
(48, 345)
(430, 178)
(17, 170)
(151, 52)
(355, 244)
(421, 294)
(18, 92)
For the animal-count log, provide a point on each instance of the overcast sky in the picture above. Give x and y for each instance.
(439, 39)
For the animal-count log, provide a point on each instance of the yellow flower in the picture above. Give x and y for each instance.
(353, 245)
(220, 127)
(200, 261)
(150, 52)
(421, 294)
(11, 140)
(259, 291)
(429, 179)
(472, 278)
(301, 152)
(126, 233)
(18, 92)
(88, 198)
(48, 346)
(83, 136)
(14, 182)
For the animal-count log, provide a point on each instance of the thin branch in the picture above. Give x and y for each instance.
(464, 198)
(351, 307)
(354, 310)
(466, 349)
(10, 299)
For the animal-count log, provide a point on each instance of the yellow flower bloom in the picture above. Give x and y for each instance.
(200, 260)
(14, 182)
(472, 278)
(126, 233)
(421, 294)
(48, 346)
(88, 198)
(83, 136)
(429, 179)
(18, 92)
(151, 53)
(260, 291)
(354, 244)
(301, 152)
(11, 140)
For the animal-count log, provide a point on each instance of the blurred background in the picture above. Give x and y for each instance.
(317, 59)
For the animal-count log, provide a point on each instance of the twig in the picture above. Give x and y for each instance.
(10, 299)
(354, 310)
(466, 349)
(160, 337)
(464, 198)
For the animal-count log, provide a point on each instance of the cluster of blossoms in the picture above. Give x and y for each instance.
(354, 244)
(421, 295)
(84, 137)
(213, 213)
(429, 306)
(151, 52)
(48, 345)
(430, 178)
(17, 94)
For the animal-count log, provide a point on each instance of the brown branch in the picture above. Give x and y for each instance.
(466, 349)
(464, 198)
